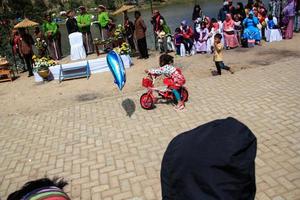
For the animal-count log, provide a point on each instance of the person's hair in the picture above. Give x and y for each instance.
(177, 30)
(270, 17)
(165, 59)
(69, 12)
(241, 5)
(37, 30)
(249, 6)
(218, 36)
(197, 6)
(213, 20)
(36, 184)
(22, 31)
(203, 23)
(137, 13)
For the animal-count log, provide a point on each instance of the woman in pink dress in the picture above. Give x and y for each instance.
(231, 40)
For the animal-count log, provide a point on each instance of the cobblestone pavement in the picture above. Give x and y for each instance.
(105, 154)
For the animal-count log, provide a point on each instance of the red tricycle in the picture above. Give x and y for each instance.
(148, 99)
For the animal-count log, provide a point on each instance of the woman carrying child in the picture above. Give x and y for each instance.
(215, 27)
(201, 42)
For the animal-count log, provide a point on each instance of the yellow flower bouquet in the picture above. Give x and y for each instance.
(42, 63)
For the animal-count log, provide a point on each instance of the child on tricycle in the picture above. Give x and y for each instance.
(174, 80)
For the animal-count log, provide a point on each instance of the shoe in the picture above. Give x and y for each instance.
(179, 107)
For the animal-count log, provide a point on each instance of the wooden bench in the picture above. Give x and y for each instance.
(5, 73)
(74, 71)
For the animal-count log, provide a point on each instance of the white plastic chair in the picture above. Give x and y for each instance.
(77, 48)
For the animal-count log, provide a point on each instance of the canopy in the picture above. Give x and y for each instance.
(123, 8)
(26, 23)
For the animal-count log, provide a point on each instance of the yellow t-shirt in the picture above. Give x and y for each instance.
(218, 56)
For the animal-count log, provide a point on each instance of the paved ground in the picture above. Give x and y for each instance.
(24, 96)
(107, 155)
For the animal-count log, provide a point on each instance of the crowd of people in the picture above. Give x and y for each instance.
(238, 25)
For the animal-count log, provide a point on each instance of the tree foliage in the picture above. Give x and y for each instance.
(5, 47)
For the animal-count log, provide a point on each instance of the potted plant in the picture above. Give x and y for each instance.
(41, 65)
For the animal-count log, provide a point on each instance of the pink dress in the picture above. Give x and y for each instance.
(229, 33)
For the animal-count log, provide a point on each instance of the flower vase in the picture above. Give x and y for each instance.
(44, 73)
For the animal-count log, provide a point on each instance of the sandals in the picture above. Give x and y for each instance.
(179, 107)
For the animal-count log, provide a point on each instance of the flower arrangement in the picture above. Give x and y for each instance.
(40, 44)
(123, 50)
(103, 42)
(119, 32)
(42, 63)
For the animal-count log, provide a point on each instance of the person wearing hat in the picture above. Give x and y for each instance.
(50, 29)
(84, 24)
(103, 19)
(72, 25)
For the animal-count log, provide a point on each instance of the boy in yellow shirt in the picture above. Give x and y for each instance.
(218, 54)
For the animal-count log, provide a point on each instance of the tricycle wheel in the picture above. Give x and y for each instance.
(184, 94)
(146, 101)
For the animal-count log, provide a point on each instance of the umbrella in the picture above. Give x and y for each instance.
(123, 8)
(26, 23)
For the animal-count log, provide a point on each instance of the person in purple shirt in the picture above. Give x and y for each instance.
(289, 18)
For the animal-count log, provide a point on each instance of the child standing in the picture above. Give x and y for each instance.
(178, 38)
(218, 54)
(174, 77)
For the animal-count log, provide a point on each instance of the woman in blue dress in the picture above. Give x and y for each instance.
(251, 31)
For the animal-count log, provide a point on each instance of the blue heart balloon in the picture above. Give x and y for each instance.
(117, 68)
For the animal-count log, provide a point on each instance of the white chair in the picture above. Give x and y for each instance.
(77, 48)
(272, 35)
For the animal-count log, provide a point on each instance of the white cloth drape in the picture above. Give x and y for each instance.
(98, 65)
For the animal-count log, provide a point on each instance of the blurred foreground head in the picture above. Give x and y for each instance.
(213, 161)
(42, 189)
